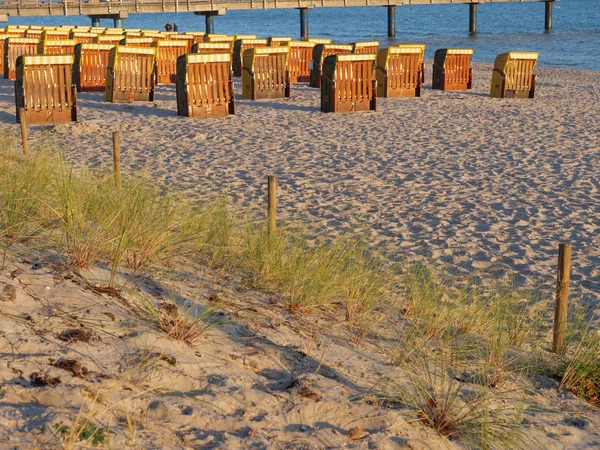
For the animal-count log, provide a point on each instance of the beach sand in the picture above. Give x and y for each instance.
(477, 184)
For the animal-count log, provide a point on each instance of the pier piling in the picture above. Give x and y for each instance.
(118, 23)
(303, 23)
(95, 21)
(391, 16)
(548, 16)
(472, 18)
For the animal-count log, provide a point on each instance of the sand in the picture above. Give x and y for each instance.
(477, 184)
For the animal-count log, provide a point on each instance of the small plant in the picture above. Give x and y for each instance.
(479, 418)
(582, 373)
(84, 430)
(181, 323)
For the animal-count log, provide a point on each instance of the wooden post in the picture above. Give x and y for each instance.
(23, 120)
(548, 16)
(562, 297)
(472, 18)
(117, 159)
(272, 204)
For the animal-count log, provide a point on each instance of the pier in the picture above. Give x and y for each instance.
(118, 10)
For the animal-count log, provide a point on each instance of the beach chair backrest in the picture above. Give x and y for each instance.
(319, 40)
(348, 83)
(16, 31)
(34, 33)
(239, 47)
(299, 60)
(513, 75)
(189, 40)
(113, 31)
(365, 47)
(276, 41)
(167, 54)
(197, 35)
(3, 37)
(265, 74)
(130, 74)
(55, 35)
(44, 88)
(211, 47)
(399, 71)
(136, 41)
(89, 69)
(219, 38)
(82, 37)
(113, 39)
(204, 85)
(452, 69)
(64, 47)
(15, 47)
(155, 35)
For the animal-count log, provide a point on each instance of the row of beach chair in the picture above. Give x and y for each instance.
(350, 77)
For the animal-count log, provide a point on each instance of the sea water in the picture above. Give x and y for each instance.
(574, 41)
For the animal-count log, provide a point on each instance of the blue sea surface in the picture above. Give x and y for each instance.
(574, 41)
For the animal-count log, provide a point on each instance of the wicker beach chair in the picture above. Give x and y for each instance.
(65, 47)
(155, 35)
(198, 36)
(15, 31)
(276, 41)
(82, 37)
(320, 52)
(167, 54)
(113, 32)
(452, 69)
(33, 33)
(365, 47)
(189, 40)
(44, 89)
(136, 41)
(219, 38)
(211, 47)
(513, 75)
(13, 48)
(55, 35)
(299, 60)
(265, 73)
(89, 68)
(319, 40)
(399, 71)
(130, 75)
(113, 39)
(204, 85)
(239, 47)
(3, 37)
(348, 83)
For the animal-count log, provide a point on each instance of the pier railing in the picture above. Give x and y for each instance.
(113, 7)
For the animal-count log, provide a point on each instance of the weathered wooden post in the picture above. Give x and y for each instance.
(117, 159)
(391, 16)
(562, 297)
(303, 23)
(548, 16)
(472, 18)
(23, 121)
(272, 204)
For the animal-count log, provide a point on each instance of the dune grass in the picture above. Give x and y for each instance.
(448, 333)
